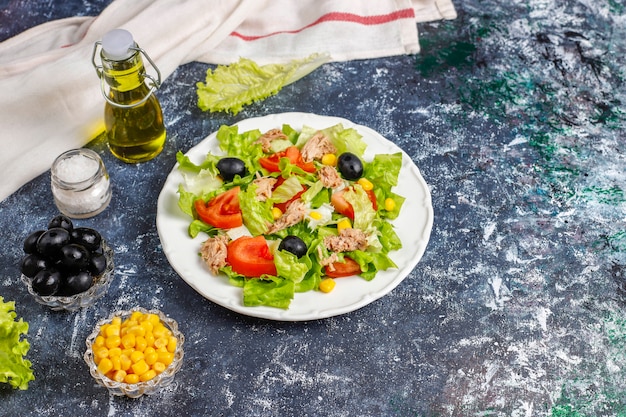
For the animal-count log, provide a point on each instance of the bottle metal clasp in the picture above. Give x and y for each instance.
(154, 85)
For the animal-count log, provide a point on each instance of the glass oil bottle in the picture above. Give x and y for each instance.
(132, 114)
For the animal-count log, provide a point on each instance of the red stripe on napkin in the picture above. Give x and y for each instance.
(339, 17)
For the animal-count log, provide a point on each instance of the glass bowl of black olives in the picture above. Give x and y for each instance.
(66, 267)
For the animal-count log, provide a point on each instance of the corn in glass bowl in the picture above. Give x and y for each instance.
(136, 389)
(86, 298)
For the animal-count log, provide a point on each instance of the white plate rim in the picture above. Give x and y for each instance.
(414, 226)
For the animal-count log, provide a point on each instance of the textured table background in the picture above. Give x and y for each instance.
(514, 114)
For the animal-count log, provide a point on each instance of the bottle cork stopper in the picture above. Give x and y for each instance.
(116, 44)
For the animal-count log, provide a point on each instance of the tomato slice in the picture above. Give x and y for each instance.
(221, 211)
(343, 269)
(293, 154)
(343, 207)
(250, 256)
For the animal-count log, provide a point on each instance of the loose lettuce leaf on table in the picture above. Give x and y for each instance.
(14, 368)
(230, 87)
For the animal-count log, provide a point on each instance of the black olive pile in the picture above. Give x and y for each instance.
(63, 260)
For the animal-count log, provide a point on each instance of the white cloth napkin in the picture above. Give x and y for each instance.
(50, 93)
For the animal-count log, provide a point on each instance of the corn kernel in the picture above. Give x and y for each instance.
(160, 331)
(149, 339)
(140, 343)
(103, 329)
(329, 159)
(115, 352)
(117, 365)
(166, 358)
(140, 367)
(315, 215)
(136, 356)
(105, 365)
(119, 376)
(112, 341)
(131, 378)
(125, 362)
(112, 330)
(159, 367)
(152, 318)
(99, 341)
(138, 330)
(116, 321)
(101, 352)
(128, 340)
(276, 213)
(148, 375)
(344, 224)
(365, 184)
(136, 316)
(161, 342)
(327, 285)
(171, 344)
(151, 358)
(147, 327)
(390, 204)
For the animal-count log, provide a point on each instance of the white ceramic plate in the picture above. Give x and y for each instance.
(413, 226)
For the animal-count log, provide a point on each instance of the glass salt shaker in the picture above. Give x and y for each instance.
(80, 183)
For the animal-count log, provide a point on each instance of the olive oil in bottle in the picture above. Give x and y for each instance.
(132, 114)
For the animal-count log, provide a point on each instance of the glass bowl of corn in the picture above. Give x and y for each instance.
(135, 352)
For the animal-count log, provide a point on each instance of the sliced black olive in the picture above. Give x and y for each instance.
(47, 282)
(230, 167)
(30, 243)
(294, 245)
(62, 221)
(87, 237)
(52, 240)
(350, 166)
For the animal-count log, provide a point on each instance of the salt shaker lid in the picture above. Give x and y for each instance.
(117, 44)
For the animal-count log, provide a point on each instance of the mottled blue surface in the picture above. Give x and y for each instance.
(514, 114)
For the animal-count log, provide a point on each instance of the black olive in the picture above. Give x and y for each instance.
(32, 264)
(75, 257)
(98, 264)
(87, 237)
(229, 167)
(61, 221)
(30, 243)
(77, 283)
(294, 245)
(52, 240)
(47, 282)
(350, 166)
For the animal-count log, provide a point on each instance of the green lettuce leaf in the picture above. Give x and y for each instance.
(287, 190)
(256, 214)
(290, 267)
(230, 87)
(268, 291)
(14, 369)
